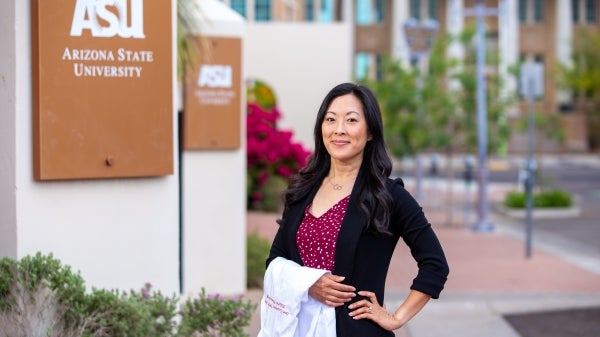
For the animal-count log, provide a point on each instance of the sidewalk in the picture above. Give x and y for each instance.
(489, 273)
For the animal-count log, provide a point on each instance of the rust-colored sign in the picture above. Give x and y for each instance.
(102, 88)
(212, 107)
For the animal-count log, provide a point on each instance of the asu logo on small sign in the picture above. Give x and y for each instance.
(215, 76)
(95, 15)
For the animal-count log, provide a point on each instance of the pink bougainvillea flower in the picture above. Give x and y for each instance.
(270, 151)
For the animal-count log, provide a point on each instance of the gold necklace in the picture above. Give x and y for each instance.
(335, 186)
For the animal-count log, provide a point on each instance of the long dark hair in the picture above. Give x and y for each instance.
(373, 197)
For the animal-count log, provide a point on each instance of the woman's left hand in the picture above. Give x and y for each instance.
(371, 309)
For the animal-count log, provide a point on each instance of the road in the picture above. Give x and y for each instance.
(581, 233)
(579, 175)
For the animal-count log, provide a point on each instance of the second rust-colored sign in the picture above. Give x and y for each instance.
(213, 102)
(102, 88)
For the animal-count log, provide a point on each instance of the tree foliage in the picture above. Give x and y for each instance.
(441, 113)
(582, 78)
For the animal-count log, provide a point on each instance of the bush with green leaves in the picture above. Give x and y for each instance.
(41, 297)
(257, 251)
(215, 315)
(543, 199)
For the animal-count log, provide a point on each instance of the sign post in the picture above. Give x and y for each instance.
(532, 86)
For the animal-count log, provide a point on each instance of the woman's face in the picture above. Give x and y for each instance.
(344, 128)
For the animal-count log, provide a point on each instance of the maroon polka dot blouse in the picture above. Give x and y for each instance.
(316, 237)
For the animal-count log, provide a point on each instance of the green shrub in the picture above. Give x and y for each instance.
(515, 199)
(544, 199)
(554, 198)
(40, 287)
(215, 315)
(41, 297)
(257, 251)
(134, 313)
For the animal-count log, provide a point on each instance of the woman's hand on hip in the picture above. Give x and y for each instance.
(369, 308)
(330, 290)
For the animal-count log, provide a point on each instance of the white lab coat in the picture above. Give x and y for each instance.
(286, 310)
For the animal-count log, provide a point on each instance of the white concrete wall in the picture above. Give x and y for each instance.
(8, 215)
(119, 233)
(214, 221)
(214, 192)
(301, 62)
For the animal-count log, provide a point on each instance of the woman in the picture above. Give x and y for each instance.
(344, 214)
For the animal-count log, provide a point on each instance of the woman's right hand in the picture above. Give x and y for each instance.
(330, 290)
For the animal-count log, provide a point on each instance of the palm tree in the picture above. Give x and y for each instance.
(188, 15)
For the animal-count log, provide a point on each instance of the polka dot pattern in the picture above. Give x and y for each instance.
(316, 237)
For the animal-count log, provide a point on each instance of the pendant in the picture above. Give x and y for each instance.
(337, 187)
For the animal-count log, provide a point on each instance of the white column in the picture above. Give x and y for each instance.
(454, 26)
(250, 10)
(317, 10)
(564, 41)
(118, 233)
(400, 50)
(508, 36)
(347, 11)
(214, 191)
(455, 23)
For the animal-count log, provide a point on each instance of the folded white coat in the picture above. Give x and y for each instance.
(286, 309)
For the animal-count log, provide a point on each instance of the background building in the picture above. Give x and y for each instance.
(539, 29)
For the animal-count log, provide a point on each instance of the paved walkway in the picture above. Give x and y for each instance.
(489, 273)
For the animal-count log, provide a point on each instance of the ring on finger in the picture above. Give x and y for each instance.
(370, 309)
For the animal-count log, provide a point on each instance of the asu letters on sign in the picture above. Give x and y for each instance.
(88, 14)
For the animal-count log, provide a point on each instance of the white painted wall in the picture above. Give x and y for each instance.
(119, 233)
(8, 215)
(214, 193)
(301, 62)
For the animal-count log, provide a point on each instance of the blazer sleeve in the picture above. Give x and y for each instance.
(278, 247)
(409, 222)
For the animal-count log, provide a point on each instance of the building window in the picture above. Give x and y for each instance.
(309, 10)
(368, 66)
(575, 10)
(590, 11)
(326, 14)
(379, 10)
(538, 11)
(239, 6)
(369, 11)
(531, 11)
(432, 9)
(415, 9)
(262, 10)
(522, 11)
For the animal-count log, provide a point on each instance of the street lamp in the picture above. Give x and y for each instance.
(480, 12)
(419, 38)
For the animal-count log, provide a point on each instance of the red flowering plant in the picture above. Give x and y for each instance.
(272, 157)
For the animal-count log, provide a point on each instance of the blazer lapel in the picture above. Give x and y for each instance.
(294, 217)
(350, 232)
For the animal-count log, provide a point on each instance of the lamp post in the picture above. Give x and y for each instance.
(480, 12)
(419, 38)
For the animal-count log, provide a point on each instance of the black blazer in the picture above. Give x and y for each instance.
(363, 257)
